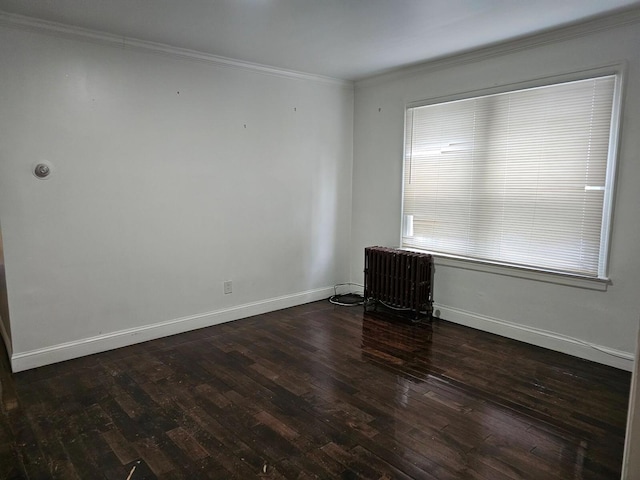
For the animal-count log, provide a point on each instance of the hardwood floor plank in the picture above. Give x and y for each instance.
(187, 443)
(352, 462)
(317, 391)
(123, 449)
(153, 455)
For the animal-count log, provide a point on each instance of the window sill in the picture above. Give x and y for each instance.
(600, 284)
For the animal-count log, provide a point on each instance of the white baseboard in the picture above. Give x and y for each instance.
(538, 337)
(122, 338)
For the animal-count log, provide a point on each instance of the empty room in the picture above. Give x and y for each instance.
(189, 197)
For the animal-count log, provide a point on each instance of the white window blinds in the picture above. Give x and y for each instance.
(518, 178)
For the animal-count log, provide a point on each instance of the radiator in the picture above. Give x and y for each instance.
(398, 279)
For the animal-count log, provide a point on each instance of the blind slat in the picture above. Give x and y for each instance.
(518, 177)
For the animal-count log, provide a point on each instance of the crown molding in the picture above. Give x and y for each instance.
(572, 31)
(55, 29)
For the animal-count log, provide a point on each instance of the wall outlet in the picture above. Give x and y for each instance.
(228, 287)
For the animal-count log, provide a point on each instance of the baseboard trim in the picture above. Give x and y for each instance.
(122, 338)
(541, 338)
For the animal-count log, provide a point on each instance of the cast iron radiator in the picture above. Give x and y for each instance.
(398, 279)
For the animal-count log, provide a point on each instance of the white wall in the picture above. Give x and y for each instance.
(5, 326)
(157, 197)
(534, 311)
(170, 175)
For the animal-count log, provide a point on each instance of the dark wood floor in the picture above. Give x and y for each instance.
(316, 391)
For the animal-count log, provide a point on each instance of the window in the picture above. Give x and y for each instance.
(522, 178)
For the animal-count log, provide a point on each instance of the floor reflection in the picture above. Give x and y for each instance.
(397, 343)
(328, 391)
(462, 423)
(400, 346)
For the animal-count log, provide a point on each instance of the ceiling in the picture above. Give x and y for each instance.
(346, 39)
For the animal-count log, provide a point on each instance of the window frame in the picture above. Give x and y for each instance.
(599, 282)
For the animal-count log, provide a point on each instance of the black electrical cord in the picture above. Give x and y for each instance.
(350, 299)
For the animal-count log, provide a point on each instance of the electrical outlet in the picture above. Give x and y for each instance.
(228, 286)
